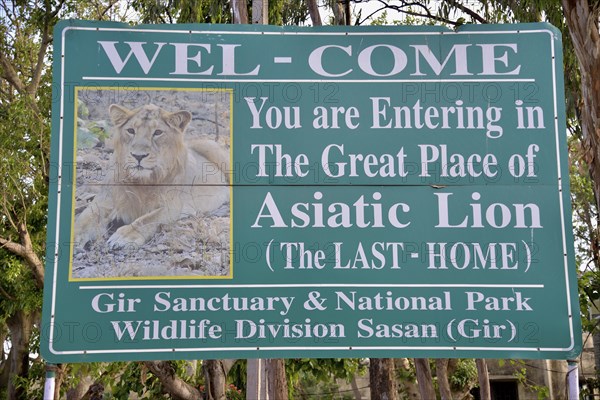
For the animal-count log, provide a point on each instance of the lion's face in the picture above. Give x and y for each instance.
(149, 146)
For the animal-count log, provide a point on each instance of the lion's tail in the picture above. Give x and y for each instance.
(213, 152)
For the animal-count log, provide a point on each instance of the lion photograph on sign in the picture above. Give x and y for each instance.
(152, 184)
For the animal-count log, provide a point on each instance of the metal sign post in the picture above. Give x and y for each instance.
(573, 379)
(50, 382)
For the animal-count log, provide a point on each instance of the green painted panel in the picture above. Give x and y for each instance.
(243, 191)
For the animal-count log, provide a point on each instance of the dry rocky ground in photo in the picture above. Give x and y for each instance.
(194, 246)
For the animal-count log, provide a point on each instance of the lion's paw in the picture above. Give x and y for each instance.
(126, 236)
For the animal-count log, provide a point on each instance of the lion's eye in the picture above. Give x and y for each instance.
(131, 130)
(158, 132)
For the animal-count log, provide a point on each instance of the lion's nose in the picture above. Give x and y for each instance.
(139, 157)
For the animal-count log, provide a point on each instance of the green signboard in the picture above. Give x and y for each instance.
(256, 191)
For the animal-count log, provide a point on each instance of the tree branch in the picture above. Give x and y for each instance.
(54, 13)
(39, 66)
(405, 8)
(25, 250)
(9, 73)
(4, 293)
(176, 386)
(107, 8)
(468, 11)
(7, 214)
(370, 15)
(7, 12)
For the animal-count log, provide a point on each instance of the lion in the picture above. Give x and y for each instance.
(156, 178)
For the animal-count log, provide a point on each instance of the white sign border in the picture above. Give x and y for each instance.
(303, 348)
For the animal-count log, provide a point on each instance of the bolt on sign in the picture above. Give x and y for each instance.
(242, 191)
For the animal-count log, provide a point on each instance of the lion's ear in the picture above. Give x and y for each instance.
(118, 114)
(179, 119)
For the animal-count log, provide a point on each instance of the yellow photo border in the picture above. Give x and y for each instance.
(77, 89)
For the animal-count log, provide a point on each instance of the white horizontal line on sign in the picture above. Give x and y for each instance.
(313, 285)
(314, 348)
(129, 79)
(312, 33)
(282, 60)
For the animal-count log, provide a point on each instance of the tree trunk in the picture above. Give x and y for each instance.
(59, 371)
(458, 393)
(382, 379)
(410, 387)
(239, 9)
(355, 389)
(441, 371)
(582, 21)
(5, 369)
(260, 12)
(313, 11)
(20, 325)
(94, 392)
(82, 388)
(339, 15)
(254, 389)
(424, 378)
(215, 380)
(484, 379)
(278, 389)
